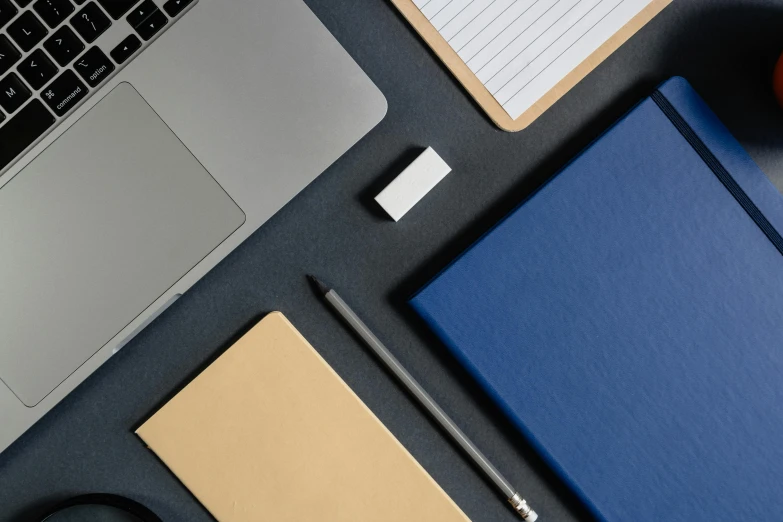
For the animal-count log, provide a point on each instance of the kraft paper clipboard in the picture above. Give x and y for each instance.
(484, 97)
(270, 432)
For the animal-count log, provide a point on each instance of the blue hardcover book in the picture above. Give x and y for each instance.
(628, 317)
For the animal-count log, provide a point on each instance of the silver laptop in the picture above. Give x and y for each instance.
(140, 143)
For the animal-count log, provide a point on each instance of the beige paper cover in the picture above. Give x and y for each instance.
(270, 432)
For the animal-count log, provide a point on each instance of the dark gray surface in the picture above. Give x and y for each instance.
(725, 48)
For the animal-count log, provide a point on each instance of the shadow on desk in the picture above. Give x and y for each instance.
(729, 54)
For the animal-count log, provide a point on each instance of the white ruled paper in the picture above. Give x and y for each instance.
(521, 49)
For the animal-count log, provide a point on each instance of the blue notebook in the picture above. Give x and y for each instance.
(628, 318)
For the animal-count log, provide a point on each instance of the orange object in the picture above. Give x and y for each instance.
(778, 80)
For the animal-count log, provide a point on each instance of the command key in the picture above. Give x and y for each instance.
(64, 93)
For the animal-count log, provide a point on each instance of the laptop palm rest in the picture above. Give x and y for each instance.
(92, 232)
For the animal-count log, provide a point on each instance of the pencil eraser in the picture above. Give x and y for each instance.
(413, 184)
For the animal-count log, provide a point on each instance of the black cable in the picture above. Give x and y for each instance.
(107, 500)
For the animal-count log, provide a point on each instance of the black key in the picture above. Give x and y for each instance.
(141, 13)
(117, 8)
(152, 25)
(65, 92)
(9, 54)
(7, 12)
(53, 12)
(175, 7)
(22, 130)
(2, 117)
(79, 2)
(94, 67)
(90, 22)
(37, 69)
(27, 31)
(126, 48)
(23, 3)
(64, 46)
(13, 93)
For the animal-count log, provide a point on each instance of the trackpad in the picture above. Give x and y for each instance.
(94, 231)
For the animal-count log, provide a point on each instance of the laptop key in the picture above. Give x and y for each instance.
(175, 7)
(116, 8)
(94, 67)
(27, 31)
(64, 93)
(7, 12)
(23, 3)
(13, 93)
(125, 50)
(90, 22)
(64, 46)
(53, 12)
(152, 25)
(9, 54)
(23, 130)
(37, 69)
(141, 12)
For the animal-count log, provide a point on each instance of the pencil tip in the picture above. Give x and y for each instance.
(318, 284)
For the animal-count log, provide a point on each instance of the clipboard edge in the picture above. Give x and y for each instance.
(485, 99)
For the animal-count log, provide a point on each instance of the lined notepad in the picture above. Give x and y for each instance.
(521, 49)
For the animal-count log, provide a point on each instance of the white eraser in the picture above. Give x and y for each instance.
(413, 184)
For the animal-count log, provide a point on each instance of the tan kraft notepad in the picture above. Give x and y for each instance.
(518, 57)
(269, 432)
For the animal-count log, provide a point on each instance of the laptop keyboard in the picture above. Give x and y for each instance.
(52, 58)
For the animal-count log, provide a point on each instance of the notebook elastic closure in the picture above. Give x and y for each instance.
(718, 169)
